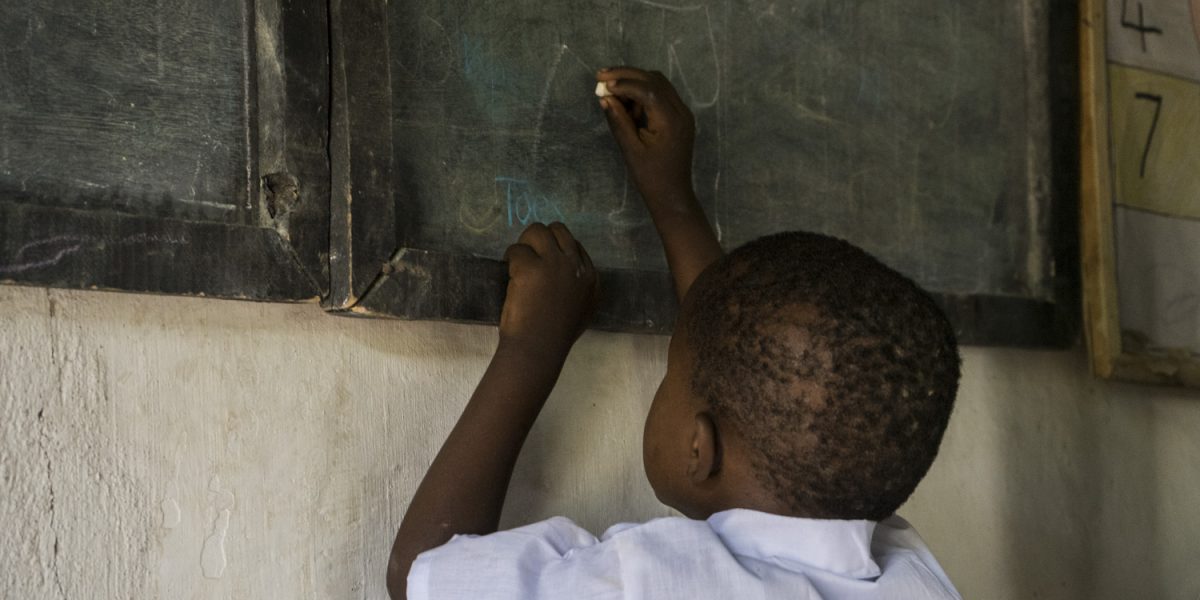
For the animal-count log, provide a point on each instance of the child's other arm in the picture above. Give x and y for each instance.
(551, 296)
(656, 131)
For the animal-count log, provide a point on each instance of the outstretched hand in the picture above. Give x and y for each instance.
(551, 296)
(654, 129)
(552, 289)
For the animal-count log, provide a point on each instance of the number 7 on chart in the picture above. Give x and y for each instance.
(1158, 102)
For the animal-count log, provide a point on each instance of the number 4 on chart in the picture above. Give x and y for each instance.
(1140, 25)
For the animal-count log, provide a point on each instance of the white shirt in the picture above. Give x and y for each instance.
(736, 554)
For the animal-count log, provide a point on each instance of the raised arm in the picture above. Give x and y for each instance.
(551, 296)
(656, 131)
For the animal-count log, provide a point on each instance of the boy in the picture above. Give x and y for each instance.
(807, 390)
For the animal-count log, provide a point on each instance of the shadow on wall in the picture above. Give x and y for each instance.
(1081, 491)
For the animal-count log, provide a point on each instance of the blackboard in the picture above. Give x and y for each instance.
(166, 147)
(886, 122)
(380, 156)
(127, 107)
(918, 130)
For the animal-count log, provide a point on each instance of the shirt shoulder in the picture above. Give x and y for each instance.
(901, 551)
(742, 554)
(556, 558)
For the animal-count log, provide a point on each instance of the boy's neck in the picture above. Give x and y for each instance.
(735, 486)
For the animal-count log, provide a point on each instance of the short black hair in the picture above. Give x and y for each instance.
(839, 372)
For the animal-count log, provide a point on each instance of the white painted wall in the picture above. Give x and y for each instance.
(184, 448)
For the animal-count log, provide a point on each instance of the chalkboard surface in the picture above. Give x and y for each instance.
(169, 147)
(910, 128)
(132, 106)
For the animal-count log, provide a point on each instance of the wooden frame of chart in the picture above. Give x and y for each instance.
(1140, 230)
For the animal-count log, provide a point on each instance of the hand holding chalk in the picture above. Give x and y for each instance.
(654, 129)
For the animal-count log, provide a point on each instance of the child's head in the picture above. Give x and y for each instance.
(805, 378)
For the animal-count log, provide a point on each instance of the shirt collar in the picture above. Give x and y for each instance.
(840, 547)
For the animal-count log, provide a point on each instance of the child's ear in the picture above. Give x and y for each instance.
(704, 458)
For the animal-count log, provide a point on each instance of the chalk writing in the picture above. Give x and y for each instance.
(492, 81)
(674, 64)
(525, 205)
(428, 58)
(51, 251)
(542, 104)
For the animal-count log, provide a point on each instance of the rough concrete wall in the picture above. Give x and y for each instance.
(1052, 484)
(183, 448)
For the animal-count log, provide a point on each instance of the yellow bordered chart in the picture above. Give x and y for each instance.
(1141, 188)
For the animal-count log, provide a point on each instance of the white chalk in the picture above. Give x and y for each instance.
(602, 89)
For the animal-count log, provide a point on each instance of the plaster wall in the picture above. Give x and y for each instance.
(185, 448)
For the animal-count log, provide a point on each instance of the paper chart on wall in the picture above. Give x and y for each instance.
(1154, 118)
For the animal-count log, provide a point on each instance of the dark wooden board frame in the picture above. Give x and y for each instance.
(286, 102)
(1111, 356)
(372, 275)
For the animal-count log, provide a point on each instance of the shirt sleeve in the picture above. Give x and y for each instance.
(522, 563)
